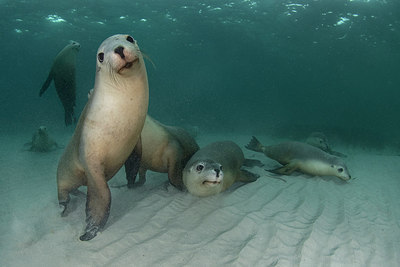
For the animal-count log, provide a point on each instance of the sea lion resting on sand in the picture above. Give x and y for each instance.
(214, 168)
(302, 157)
(107, 131)
(41, 141)
(320, 140)
(164, 149)
(63, 73)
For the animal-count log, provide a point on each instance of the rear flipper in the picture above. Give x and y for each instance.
(254, 145)
(252, 163)
(132, 164)
(247, 177)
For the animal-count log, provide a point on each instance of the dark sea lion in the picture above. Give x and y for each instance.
(320, 140)
(41, 141)
(164, 149)
(63, 73)
(108, 129)
(214, 168)
(302, 157)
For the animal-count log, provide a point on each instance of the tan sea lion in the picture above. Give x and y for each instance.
(214, 168)
(108, 129)
(41, 141)
(63, 73)
(302, 157)
(165, 149)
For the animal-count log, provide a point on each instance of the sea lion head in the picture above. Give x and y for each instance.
(119, 55)
(339, 169)
(74, 45)
(203, 178)
(42, 131)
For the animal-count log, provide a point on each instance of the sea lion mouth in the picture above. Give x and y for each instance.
(129, 64)
(211, 182)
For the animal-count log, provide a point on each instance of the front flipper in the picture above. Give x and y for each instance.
(97, 207)
(46, 83)
(286, 169)
(247, 177)
(175, 173)
(132, 164)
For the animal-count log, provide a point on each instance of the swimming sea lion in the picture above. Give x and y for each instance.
(164, 149)
(41, 141)
(108, 129)
(320, 140)
(214, 168)
(302, 157)
(63, 73)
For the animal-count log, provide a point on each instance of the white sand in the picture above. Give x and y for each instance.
(304, 222)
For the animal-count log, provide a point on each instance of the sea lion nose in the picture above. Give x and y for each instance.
(217, 171)
(120, 51)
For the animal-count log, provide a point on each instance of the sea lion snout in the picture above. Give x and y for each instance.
(120, 51)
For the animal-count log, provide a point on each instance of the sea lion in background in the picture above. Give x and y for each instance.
(41, 141)
(302, 157)
(63, 73)
(214, 168)
(108, 129)
(320, 140)
(165, 149)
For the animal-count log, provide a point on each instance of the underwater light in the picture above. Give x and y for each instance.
(55, 18)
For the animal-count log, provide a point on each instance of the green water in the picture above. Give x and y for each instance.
(283, 68)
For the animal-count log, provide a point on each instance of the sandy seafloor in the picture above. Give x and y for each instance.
(307, 221)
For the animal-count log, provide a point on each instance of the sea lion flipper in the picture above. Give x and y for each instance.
(338, 154)
(252, 163)
(97, 207)
(132, 164)
(286, 169)
(247, 177)
(46, 83)
(254, 145)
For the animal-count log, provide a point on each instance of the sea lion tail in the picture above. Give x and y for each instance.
(254, 145)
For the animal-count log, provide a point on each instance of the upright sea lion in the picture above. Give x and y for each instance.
(63, 73)
(214, 168)
(107, 131)
(41, 141)
(302, 157)
(164, 149)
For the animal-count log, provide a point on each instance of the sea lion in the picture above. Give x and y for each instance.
(108, 129)
(164, 149)
(41, 141)
(214, 168)
(302, 157)
(63, 73)
(320, 140)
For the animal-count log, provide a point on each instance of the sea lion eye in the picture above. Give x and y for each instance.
(199, 167)
(130, 39)
(340, 170)
(100, 56)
